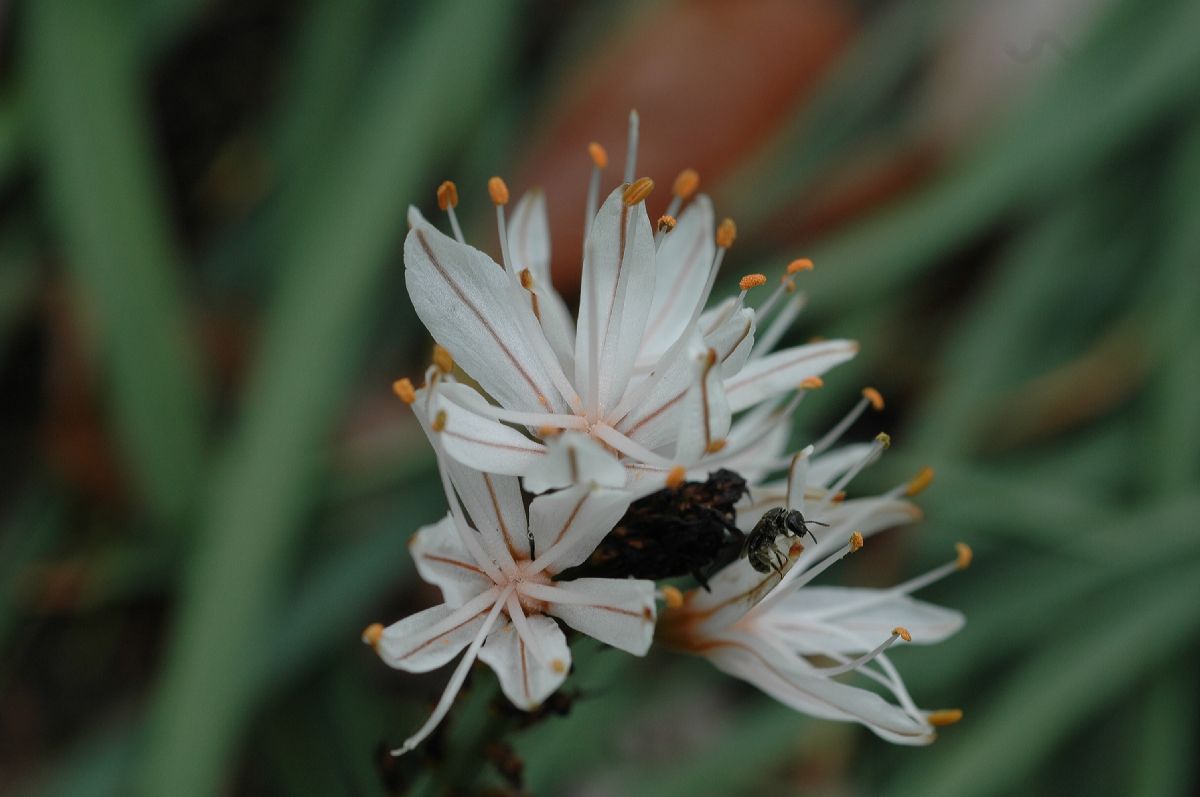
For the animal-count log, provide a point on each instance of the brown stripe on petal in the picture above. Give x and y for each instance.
(571, 519)
(462, 296)
(487, 480)
(453, 562)
(504, 446)
(431, 640)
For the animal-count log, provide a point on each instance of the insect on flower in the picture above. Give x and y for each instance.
(645, 380)
(775, 631)
(760, 548)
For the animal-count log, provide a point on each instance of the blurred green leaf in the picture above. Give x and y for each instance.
(1076, 673)
(105, 200)
(1163, 744)
(336, 254)
(1078, 119)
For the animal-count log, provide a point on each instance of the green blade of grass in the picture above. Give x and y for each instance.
(417, 99)
(1084, 114)
(106, 203)
(1071, 678)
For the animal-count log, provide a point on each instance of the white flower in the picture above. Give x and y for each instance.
(496, 573)
(646, 372)
(766, 628)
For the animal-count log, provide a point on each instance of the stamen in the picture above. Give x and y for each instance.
(947, 716)
(965, 555)
(599, 155)
(637, 191)
(751, 281)
(372, 634)
(447, 198)
(775, 331)
(709, 443)
(599, 163)
(630, 448)
(839, 429)
(686, 184)
(672, 597)
(797, 577)
(797, 479)
(726, 233)
(439, 421)
(882, 441)
(527, 283)
(498, 190)
(443, 359)
(800, 264)
(631, 148)
(812, 383)
(666, 223)
(875, 397)
(517, 615)
(920, 482)
(404, 390)
(866, 658)
(676, 477)
(716, 446)
(456, 680)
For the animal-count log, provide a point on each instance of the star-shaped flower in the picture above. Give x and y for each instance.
(767, 626)
(495, 567)
(647, 373)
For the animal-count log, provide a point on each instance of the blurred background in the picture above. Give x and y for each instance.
(206, 486)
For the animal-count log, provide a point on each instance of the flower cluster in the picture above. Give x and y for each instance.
(567, 427)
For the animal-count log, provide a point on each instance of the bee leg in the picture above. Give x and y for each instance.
(701, 578)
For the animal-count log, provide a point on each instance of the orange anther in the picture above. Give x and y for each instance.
(751, 281)
(403, 388)
(874, 396)
(856, 541)
(726, 233)
(676, 476)
(919, 482)
(637, 191)
(686, 183)
(447, 195)
(599, 155)
(498, 191)
(800, 264)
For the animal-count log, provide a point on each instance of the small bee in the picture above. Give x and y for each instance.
(760, 547)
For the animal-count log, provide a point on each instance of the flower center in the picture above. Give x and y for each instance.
(522, 577)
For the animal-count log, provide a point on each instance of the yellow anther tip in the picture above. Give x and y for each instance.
(965, 555)
(686, 183)
(672, 597)
(920, 482)
(404, 390)
(676, 476)
(558, 665)
(599, 155)
(945, 717)
(666, 223)
(751, 281)
(874, 396)
(498, 191)
(637, 191)
(884, 439)
(716, 446)
(439, 421)
(443, 359)
(812, 383)
(800, 264)
(548, 431)
(902, 632)
(726, 233)
(526, 279)
(372, 634)
(447, 195)
(856, 541)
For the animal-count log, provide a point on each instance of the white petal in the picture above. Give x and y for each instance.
(733, 341)
(529, 246)
(525, 680)
(574, 458)
(618, 279)
(476, 310)
(827, 467)
(681, 271)
(815, 620)
(654, 422)
(732, 591)
(442, 560)
(483, 443)
(788, 680)
(617, 612)
(784, 370)
(428, 639)
(568, 525)
(703, 415)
